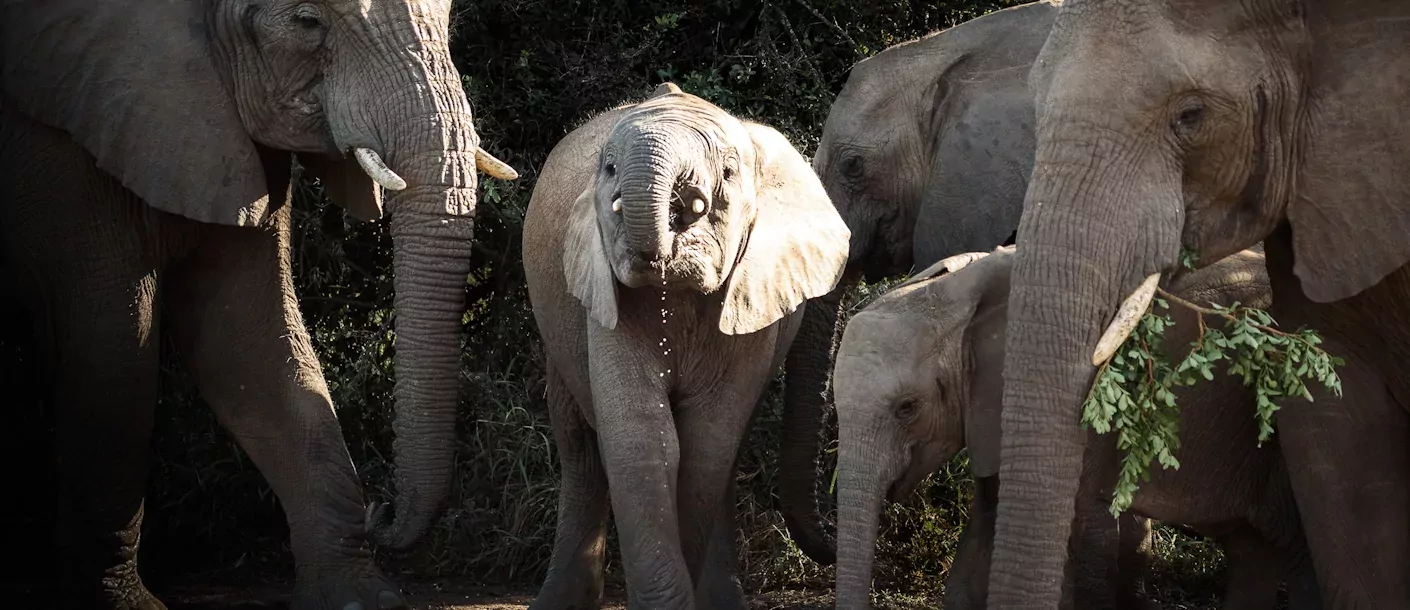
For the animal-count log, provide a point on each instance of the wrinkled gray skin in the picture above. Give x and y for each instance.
(926, 153)
(1211, 125)
(919, 377)
(147, 148)
(662, 325)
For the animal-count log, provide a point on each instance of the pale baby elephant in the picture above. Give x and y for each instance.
(668, 247)
(919, 377)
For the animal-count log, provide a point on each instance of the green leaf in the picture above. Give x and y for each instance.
(1134, 395)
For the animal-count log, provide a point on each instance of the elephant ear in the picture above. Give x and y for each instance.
(796, 248)
(984, 342)
(1351, 211)
(585, 267)
(346, 185)
(137, 86)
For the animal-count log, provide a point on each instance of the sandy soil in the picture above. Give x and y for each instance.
(443, 597)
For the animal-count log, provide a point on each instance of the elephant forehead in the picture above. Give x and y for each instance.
(882, 340)
(671, 113)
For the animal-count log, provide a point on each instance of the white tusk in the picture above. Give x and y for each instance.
(1125, 321)
(494, 167)
(960, 261)
(697, 206)
(617, 205)
(372, 163)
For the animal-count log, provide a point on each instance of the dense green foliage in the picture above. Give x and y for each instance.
(534, 70)
(1134, 392)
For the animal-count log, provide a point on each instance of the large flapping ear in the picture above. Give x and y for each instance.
(346, 185)
(136, 85)
(796, 248)
(585, 267)
(1350, 213)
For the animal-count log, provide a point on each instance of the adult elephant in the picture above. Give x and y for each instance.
(926, 154)
(147, 154)
(1207, 125)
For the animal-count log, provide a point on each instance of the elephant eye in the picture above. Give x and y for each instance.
(307, 17)
(852, 166)
(611, 169)
(1189, 119)
(728, 173)
(907, 410)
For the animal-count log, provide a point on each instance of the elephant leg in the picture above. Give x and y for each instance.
(718, 587)
(1094, 555)
(81, 250)
(1255, 570)
(237, 326)
(1348, 463)
(641, 454)
(712, 426)
(574, 580)
(1303, 592)
(1133, 559)
(967, 586)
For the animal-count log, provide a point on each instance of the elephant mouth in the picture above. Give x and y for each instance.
(694, 264)
(902, 488)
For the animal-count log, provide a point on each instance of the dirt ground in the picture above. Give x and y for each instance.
(445, 597)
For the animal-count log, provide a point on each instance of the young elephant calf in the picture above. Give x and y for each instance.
(919, 377)
(668, 248)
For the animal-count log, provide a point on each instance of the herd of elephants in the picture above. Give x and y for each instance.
(1037, 164)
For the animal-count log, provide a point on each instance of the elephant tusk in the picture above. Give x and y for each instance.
(698, 206)
(372, 163)
(960, 261)
(1125, 321)
(617, 205)
(494, 167)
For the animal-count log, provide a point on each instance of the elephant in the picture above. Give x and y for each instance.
(1179, 130)
(926, 153)
(148, 150)
(919, 377)
(668, 249)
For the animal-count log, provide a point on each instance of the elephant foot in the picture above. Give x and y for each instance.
(115, 594)
(356, 587)
(561, 593)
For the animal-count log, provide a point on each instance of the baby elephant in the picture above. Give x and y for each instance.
(668, 248)
(919, 377)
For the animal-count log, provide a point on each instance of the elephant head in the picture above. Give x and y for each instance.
(1170, 124)
(195, 106)
(687, 197)
(926, 154)
(909, 367)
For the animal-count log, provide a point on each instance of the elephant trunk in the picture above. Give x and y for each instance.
(866, 465)
(650, 170)
(809, 365)
(1095, 225)
(430, 142)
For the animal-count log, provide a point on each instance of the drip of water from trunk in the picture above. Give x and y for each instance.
(665, 350)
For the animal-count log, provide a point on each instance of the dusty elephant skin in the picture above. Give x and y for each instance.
(147, 149)
(668, 247)
(1209, 125)
(919, 377)
(926, 154)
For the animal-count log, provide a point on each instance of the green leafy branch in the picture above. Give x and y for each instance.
(1134, 391)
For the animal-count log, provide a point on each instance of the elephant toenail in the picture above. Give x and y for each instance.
(353, 606)
(387, 600)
